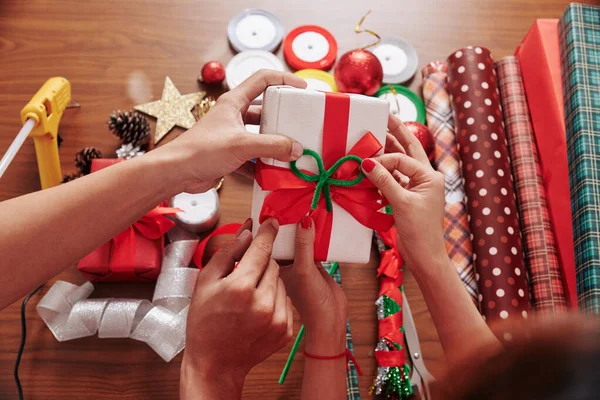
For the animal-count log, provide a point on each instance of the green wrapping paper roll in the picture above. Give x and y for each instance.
(492, 212)
(579, 30)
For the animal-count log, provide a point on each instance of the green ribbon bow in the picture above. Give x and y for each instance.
(323, 178)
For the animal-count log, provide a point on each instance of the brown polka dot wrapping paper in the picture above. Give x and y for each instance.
(491, 204)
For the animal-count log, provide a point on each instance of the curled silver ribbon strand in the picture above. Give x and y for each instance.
(69, 314)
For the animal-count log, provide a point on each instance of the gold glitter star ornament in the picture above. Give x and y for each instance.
(171, 110)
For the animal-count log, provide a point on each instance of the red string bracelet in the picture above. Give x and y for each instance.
(348, 354)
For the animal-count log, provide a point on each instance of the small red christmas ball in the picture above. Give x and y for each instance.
(213, 73)
(358, 71)
(424, 135)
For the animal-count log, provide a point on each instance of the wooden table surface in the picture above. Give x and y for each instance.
(117, 54)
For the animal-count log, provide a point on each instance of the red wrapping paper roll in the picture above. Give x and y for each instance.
(492, 211)
(541, 255)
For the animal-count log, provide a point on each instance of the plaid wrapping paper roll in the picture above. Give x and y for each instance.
(457, 233)
(579, 30)
(539, 58)
(491, 205)
(541, 256)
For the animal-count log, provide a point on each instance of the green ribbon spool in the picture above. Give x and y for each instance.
(323, 178)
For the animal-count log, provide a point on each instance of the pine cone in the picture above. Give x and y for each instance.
(130, 126)
(70, 177)
(83, 159)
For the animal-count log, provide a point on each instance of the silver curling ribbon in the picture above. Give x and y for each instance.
(69, 314)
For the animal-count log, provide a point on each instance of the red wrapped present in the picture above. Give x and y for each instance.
(134, 255)
(539, 56)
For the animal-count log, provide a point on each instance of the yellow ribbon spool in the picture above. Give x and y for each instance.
(316, 74)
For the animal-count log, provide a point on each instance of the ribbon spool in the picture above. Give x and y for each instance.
(255, 29)
(411, 106)
(398, 58)
(244, 64)
(200, 210)
(317, 80)
(69, 314)
(310, 47)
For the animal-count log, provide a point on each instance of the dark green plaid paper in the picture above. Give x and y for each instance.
(579, 31)
(351, 376)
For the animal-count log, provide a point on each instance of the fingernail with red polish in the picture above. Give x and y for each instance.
(248, 220)
(368, 165)
(306, 222)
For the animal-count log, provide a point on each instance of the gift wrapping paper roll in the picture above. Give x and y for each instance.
(492, 211)
(579, 30)
(539, 246)
(457, 232)
(539, 59)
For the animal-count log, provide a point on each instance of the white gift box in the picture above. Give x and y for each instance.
(299, 114)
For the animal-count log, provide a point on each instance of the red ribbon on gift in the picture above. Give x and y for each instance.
(291, 196)
(153, 226)
(390, 283)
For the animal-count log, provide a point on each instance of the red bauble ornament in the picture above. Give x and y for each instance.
(424, 135)
(213, 73)
(358, 71)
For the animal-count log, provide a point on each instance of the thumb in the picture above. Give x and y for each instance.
(269, 146)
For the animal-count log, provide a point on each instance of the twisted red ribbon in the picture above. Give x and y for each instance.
(390, 282)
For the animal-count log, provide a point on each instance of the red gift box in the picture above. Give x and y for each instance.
(134, 255)
(539, 56)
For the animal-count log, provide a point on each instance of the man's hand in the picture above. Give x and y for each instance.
(219, 144)
(239, 316)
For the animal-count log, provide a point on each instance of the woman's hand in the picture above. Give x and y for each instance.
(323, 309)
(415, 192)
(238, 316)
(219, 144)
(320, 301)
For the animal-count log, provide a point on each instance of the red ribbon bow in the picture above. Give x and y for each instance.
(153, 226)
(291, 196)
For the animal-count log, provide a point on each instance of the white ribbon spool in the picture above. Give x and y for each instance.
(200, 210)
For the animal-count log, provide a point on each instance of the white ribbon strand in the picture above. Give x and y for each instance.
(69, 314)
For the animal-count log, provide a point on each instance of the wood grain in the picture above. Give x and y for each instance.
(116, 54)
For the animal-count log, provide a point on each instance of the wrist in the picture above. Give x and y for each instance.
(423, 261)
(165, 167)
(206, 381)
(327, 342)
(433, 267)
